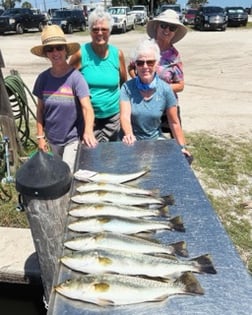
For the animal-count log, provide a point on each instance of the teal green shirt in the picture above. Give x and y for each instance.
(103, 78)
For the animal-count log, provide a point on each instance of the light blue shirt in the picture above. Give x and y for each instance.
(146, 114)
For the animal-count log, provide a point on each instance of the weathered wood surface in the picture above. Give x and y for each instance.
(47, 219)
(7, 122)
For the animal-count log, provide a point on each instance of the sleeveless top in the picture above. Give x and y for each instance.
(103, 78)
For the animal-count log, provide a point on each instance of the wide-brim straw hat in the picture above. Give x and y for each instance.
(53, 35)
(168, 16)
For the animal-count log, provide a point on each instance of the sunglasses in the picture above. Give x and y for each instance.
(49, 49)
(96, 30)
(140, 63)
(164, 26)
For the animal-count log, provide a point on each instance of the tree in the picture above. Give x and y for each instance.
(73, 2)
(8, 4)
(196, 3)
(26, 5)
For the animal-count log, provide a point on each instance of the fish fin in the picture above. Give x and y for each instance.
(164, 212)
(147, 235)
(142, 173)
(163, 255)
(205, 264)
(155, 192)
(104, 302)
(168, 200)
(177, 224)
(190, 283)
(180, 249)
(160, 298)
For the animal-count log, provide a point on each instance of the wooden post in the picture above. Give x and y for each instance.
(7, 122)
(44, 182)
(47, 219)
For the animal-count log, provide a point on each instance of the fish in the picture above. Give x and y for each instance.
(121, 188)
(124, 225)
(130, 263)
(108, 240)
(87, 176)
(120, 199)
(108, 289)
(87, 210)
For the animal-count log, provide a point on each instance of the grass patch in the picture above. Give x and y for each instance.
(223, 166)
(9, 216)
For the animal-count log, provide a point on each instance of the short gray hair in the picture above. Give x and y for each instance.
(99, 15)
(145, 47)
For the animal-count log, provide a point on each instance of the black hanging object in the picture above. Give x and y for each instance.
(44, 176)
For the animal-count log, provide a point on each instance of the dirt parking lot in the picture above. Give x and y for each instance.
(217, 65)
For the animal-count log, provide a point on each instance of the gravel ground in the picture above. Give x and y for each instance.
(217, 66)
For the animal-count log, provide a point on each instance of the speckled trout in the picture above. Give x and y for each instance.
(121, 199)
(129, 263)
(90, 176)
(131, 243)
(87, 210)
(108, 289)
(122, 188)
(124, 225)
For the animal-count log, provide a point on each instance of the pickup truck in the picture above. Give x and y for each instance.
(124, 18)
(21, 19)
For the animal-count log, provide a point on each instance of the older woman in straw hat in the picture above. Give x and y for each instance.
(64, 111)
(167, 30)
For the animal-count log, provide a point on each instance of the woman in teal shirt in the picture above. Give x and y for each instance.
(103, 67)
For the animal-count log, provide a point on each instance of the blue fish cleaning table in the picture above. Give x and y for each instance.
(227, 292)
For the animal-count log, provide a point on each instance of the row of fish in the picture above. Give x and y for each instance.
(118, 260)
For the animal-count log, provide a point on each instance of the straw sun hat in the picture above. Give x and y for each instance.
(168, 16)
(53, 35)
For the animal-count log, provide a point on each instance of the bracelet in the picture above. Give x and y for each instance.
(41, 137)
(183, 146)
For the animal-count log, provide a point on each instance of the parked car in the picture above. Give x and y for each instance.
(175, 7)
(124, 18)
(1, 11)
(189, 16)
(141, 14)
(211, 18)
(237, 16)
(69, 20)
(21, 19)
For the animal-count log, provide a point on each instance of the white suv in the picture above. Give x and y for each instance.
(141, 14)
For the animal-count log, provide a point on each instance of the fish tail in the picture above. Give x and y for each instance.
(177, 224)
(205, 264)
(190, 283)
(180, 249)
(168, 200)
